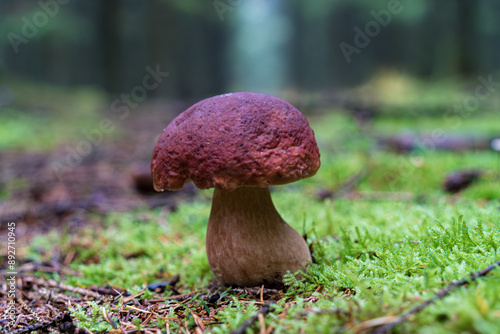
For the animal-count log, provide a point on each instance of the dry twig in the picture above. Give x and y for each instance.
(242, 329)
(345, 187)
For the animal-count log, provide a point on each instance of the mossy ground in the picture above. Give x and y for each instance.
(390, 243)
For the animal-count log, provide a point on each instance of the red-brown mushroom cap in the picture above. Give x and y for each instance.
(233, 140)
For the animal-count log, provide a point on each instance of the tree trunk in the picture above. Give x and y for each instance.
(110, 45)
(466, 11)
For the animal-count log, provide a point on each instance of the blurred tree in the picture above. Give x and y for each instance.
(109, 44)
(466, 30)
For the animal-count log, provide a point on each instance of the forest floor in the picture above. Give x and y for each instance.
(404, 208)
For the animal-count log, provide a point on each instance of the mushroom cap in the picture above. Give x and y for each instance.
(233, 140)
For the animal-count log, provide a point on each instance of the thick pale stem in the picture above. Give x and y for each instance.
(248, 243)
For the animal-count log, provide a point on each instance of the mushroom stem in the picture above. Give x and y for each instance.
(248, 243)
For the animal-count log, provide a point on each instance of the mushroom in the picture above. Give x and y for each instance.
(240, 144)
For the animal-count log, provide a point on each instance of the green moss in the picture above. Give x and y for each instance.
(92, 318)
(373, 259)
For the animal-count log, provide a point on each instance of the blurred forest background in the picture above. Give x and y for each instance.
(211, 47)
(403, 96)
